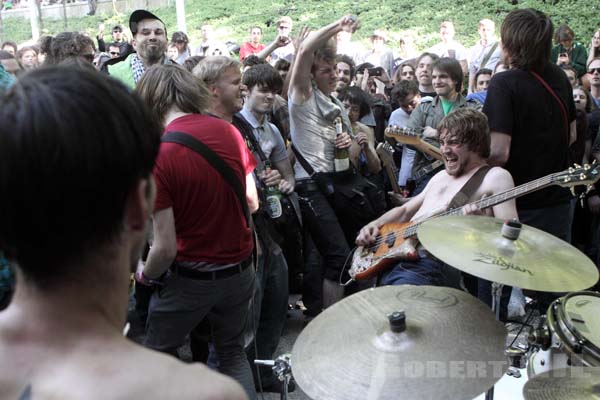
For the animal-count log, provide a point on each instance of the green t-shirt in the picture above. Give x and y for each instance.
(447, 106)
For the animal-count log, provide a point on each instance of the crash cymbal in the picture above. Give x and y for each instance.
(576, 383)
(452, 347)
(536, 260)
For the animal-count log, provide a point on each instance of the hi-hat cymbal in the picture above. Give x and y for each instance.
(452, 347)
(576, 383)
(536, 260)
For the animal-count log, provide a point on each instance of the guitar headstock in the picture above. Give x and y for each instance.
(403, 135)
(578, 175)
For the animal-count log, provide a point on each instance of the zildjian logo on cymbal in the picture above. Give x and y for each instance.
(501, 262)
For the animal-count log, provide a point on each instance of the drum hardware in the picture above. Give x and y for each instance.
(540, 337)
(282, 368)
(517, 358)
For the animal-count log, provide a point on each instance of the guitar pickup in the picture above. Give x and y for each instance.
(390, 239)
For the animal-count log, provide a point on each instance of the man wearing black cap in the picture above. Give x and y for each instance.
(150, 43)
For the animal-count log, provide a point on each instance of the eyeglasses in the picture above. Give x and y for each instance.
(283, 27)
(592, 70)
(115, 53)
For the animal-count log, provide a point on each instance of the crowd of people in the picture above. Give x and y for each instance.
(257, 176)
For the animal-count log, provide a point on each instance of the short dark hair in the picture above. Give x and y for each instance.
(5, 55)
(180, 37)
(526, 37)
(11, 44)
(282, 65)
(564, 33)
(191, 62)
(451, 67)
(470, 127)
(65, 45)
(263, 75)
(403, 89)
(483, 71)
(253, 60)
(347, 60)
(434, 57)
(357, 97)
(73, 145)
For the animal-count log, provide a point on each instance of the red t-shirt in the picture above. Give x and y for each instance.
(248, 49)
(209, 222)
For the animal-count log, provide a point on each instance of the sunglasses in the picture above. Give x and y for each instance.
(114, 53)
(592, 70)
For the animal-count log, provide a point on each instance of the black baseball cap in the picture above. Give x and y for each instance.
(139, 15)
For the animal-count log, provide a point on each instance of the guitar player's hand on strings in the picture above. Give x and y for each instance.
(473, 209)
(368, 234)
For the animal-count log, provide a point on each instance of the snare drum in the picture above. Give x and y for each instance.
(572, 333)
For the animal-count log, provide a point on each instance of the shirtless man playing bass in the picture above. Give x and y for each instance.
(465, 146)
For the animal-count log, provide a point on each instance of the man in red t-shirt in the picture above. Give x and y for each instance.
(254, 46)
(201, 236)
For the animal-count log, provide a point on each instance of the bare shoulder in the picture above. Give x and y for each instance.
(179, 380)
(499, 179)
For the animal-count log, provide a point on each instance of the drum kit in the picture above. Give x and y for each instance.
(426, 342)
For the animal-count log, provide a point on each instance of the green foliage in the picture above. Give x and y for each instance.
(421, 20)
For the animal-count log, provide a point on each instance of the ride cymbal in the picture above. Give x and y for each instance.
(451, 347)
(576, 383)
(536, 260)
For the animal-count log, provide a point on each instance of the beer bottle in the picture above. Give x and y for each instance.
(341, 156)
(273, 195)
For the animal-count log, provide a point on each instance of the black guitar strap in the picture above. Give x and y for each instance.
(215, 161)
(462, 197)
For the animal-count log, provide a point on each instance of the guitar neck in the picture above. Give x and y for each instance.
(388, 163)
(491, 201)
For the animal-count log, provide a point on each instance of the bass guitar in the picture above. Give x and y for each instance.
(398, 241)
(413, 138)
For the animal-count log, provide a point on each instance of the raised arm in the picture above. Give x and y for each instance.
(300, 84)
(279, 41)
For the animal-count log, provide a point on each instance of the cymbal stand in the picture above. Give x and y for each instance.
(511, 231)
(282, 368)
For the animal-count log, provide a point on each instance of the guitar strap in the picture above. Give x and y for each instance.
(462, 197)
(488, 56)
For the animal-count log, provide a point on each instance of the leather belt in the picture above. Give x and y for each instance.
(211, 275)
(307, 184)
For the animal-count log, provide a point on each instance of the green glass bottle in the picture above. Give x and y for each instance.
(273, 195)
(341, 156)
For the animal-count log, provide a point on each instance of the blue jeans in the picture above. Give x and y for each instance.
(425, 271)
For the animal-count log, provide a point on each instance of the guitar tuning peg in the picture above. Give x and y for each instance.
(573, 191)
(586, 166)
(588, 188)
(577, 165)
